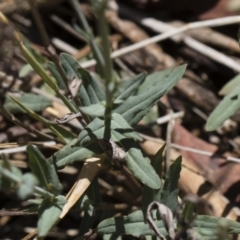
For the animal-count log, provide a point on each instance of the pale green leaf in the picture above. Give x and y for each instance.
(154, 79)
(149, 195)
(62, 132)
(129, 87)
(140, 165)
(90, 91)
(49, 213)
(169, 193)
(225, 109)
(230, 85)
(34, 102)
(122, 134)
(95, 129)
(134, 225)
(61, 84)
(136, 107)
(94, 110)
(26, 189)
(73, 152)
(93, 89)
(38, 68)
(43, 170)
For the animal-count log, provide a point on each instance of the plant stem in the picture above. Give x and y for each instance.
(89, 35)
(13, 119)
(107, 69)
(43, 192)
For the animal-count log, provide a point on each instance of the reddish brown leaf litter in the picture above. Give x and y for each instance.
(223, 174)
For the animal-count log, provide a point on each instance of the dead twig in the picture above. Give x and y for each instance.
(169, 34)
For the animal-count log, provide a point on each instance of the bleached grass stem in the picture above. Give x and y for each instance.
(169, 34)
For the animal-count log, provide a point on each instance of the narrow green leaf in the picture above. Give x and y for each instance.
(154, 79)
(94, 110)
(188, 211)
(61, 84)
(128, 87)
(59, 131)
(149, 194)
(35, 201)
(225, 109)
(230, 85)
(140, 165)
(26, 189)
(95, 129)
(169, 194)
(38, 68)
(73, 152)
(93, 192)
(134, 225)
(122, 134)
(49, 213)
(34, 102)
(136, 107)
(44, 171)
(90, 91)
(85, 204)
(93, 89)
(207, 226)
(62, 132)
(121, 125)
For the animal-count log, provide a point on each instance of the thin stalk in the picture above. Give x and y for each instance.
(89, 35)
(102, 57)
(39, 22)
(163, 36)
(43, 192)
(108, 67)
(13, 119)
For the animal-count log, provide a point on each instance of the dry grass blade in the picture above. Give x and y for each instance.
(169, 34)
(89, 171)
(159, 26)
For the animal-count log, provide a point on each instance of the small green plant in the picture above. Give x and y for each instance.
(108, 116)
